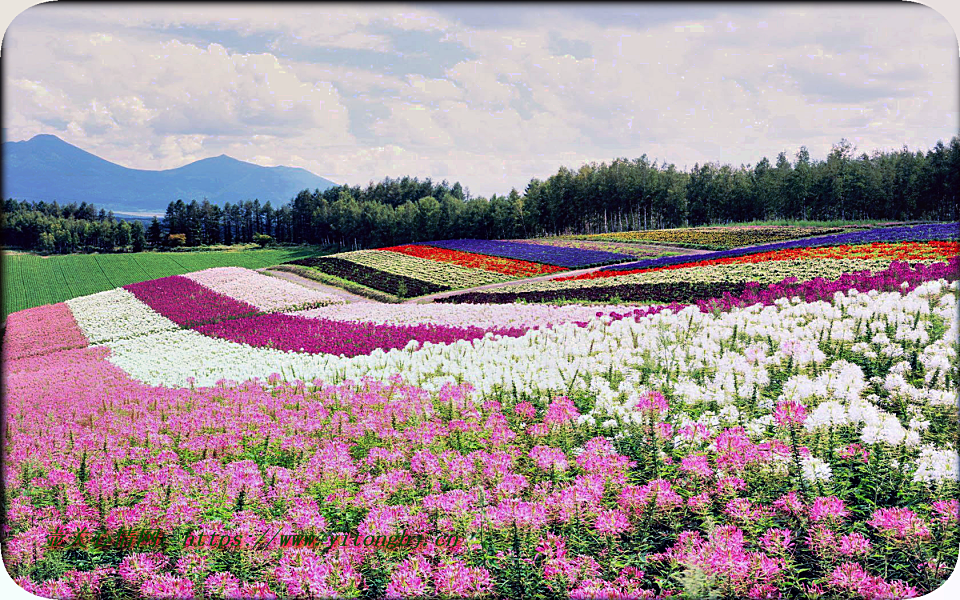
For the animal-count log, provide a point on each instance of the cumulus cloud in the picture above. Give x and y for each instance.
(356, 93)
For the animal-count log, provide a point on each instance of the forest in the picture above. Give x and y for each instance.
(597, 198)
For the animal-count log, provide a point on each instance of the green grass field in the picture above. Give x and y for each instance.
(30, 280)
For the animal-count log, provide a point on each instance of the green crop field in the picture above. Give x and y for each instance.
(30, 280)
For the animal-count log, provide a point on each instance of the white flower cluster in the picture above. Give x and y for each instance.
(268, 294)
(116, 314)
(814, 469)
(935, 465)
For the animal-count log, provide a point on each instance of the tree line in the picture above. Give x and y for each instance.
(622, 195)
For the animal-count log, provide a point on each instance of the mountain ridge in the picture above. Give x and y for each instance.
(48, 168)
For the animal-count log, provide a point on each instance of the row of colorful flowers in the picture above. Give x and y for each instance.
(446, 274)
(717, 237)
(506, 266)
(477, 315)
(906, 251)
(549, 255)
(401, 286)
(342, 338)
(916, 233)
(800, 448)
(174, 356)
(267, 294)
(764, 272)
(713, 289)
(630, 249)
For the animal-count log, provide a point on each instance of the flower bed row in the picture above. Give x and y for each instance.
(767, 272)
(342, 338)
(40, 330)
(505, 266)
(680, 291)
(912, 251)
(487, 316)
(629, 249)
(441, 273)
(186, 302)
(398, 285)
(798, 449)
(549, 255)
(918, 233)
(267, 294)
(717, 237)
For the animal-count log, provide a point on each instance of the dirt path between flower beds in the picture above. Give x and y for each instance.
(316, 285)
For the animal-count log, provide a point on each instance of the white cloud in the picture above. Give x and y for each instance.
(137, 87)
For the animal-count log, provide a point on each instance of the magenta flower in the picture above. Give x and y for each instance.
(455, 578)
(697, 464)
(789, 412)
(854, 545)
(900, 523)
(777, 541)
(947, 511)
(828, 508)
(562, 410)
(612, 522)
(525, 409)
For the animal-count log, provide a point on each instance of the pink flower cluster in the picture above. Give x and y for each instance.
(346, 338)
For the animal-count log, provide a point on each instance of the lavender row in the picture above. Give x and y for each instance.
(918, 233)
(346, 338)
(548, 255)
(890, 279)
(187, 303)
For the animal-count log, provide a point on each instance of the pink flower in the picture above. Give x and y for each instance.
(409, 579)
(829, 508)
(902, 523)
(167, 586)
(777, 541)
(223, 585)
(136, 568)
(854, 544)
(526, 410)
(697, 464)
(741, 509)
(652, 401)
(561, 410)
(455, 578)
(947, 511)
(700, 502)
(789, 413)
(612, 522)
(790, 504)
(822, 540)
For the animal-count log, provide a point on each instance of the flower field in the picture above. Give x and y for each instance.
(630, 249)
(413, 270)
(703, 276)
(549, 255)
(773, 423)
(718, 238)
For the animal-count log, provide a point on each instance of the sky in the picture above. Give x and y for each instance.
(488, 95)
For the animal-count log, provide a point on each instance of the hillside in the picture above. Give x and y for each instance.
(48, 168)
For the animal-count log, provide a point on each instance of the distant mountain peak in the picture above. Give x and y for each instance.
(48, 168)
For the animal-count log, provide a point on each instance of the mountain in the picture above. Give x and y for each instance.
(48, 168)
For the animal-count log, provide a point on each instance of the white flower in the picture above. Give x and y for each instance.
(935, 465)
(815, 469)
